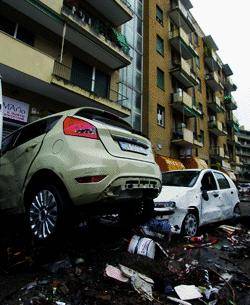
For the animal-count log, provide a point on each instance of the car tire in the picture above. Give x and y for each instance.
(237, 211)
(190, 225)
(137, 212)
(46, 212)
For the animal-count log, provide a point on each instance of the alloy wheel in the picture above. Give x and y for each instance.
(43, 214)
(190, 225)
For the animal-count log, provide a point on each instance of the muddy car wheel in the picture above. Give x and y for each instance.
(190, 225)
(45, 212)
(237, 211)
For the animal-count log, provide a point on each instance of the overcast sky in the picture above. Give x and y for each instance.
(228, 21)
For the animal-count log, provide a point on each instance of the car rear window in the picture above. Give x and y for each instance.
(180, 178)
(104, 117)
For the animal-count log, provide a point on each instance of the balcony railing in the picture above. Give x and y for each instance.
(214, 82)
(181, 69)
(217, 152)
(215, 105)
(88, 84)
(98, 27)
(230, 102)
(183, 137)
(229, 84)
(217, 128)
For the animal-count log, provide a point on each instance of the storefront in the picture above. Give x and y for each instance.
(15, 114)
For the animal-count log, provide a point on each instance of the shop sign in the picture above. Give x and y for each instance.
(15, 110)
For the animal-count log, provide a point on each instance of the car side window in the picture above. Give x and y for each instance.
(208, 182)
(222, 180)
(8, 142)
(36, 129)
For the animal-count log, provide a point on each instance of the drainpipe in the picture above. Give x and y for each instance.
(1, 113)
(63, 39)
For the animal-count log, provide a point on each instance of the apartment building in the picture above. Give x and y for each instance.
(187, 89)
(243, 153)
(56, 55)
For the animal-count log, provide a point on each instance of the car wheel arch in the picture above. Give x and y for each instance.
(194, 210)
(45, 175)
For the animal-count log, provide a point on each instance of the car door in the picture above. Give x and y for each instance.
(8, 189)
(210, 207)
(228, 195)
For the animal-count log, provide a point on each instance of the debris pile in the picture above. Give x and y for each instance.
(146, 265)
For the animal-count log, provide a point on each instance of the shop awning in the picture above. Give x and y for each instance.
(168, 164)
(195, 163)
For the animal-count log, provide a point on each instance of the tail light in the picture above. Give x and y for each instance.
(79, 128)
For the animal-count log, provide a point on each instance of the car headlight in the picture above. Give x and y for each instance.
(167, 204)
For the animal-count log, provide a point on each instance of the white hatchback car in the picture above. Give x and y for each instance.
(192, 198)
(83, 157)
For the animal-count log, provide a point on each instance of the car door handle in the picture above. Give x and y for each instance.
(216, 195)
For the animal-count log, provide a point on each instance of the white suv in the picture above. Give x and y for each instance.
(80, 157)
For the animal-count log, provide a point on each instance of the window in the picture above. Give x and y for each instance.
(102, 82)
(81, 74)
(160, 45)
(208, 182)
(223, 182)
(25, 35)
(180, 178)
(159, 15)
(9, 141)
(7, 26)
(196, 39)
(197, 62)
(160, 78)
(160, 115)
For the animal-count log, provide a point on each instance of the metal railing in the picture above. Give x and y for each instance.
(116, 38)
(217, 151)
(79, 79)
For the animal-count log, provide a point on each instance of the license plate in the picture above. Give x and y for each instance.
(132, 147)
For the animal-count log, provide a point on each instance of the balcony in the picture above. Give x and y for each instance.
(236, 161)
(180, 15)
(234, 140)
(216, 128)
(78, 83)
(214, 82)
(215, 105)
(181, 70)
(183, 137)
(179, 40)
(217, 152)
(24, 59)
(198, 141)
(230, 102)
(211, 60)
(111, 53)
(229, 85)
(96, 38)
(117, 12)
(183, 102)
(227, 70)
(233, 122)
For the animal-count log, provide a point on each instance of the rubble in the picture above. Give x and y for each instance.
(104, 266)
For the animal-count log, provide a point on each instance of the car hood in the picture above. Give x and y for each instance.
(172, 193)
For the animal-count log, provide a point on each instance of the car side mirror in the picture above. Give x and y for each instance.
(204, 195)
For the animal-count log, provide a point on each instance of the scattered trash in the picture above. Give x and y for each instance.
(143, 246)
(115, 273)
(188, 292)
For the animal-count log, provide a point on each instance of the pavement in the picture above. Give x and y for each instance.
(30, 273)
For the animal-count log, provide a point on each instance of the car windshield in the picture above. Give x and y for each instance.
(180, 178)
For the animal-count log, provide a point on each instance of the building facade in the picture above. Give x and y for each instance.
(62, 54)
(243, 153)
(188, 102)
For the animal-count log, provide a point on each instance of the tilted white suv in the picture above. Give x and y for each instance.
(80, 157)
